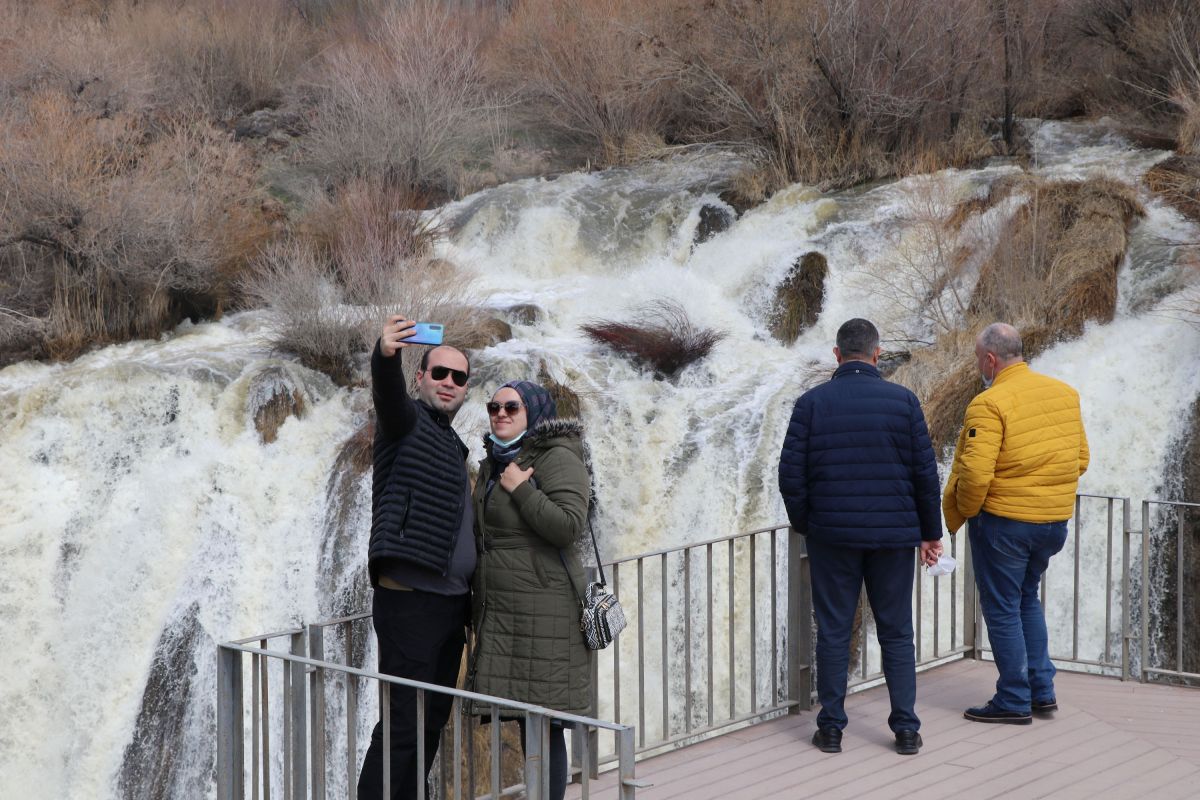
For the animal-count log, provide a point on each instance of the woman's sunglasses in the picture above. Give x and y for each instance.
(439, 374)
(512, 407)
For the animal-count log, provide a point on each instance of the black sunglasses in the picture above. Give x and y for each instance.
(512, 407)
(439, 373)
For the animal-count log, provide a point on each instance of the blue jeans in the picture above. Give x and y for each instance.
(1009, 558)
(838, 575)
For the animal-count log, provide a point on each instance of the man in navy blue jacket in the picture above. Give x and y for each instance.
(859, 480)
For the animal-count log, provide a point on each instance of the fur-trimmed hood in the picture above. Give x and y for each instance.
(545, 432)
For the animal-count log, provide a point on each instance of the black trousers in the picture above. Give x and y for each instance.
(838, 575)
(421, 636)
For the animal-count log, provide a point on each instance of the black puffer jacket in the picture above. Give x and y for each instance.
(420, 480)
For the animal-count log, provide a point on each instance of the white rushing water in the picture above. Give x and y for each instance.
(140, 509)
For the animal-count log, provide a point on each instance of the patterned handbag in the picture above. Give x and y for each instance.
(602, 617)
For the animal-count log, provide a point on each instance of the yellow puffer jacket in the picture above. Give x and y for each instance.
(1020, 453)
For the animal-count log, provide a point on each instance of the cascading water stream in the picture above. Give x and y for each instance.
(142, 518)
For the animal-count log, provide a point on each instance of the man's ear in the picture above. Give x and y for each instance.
(837, 354)
(878, 353)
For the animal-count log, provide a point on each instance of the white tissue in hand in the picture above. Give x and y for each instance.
(944, 566)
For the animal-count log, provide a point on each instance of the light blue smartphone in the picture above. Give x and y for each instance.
(426, 333)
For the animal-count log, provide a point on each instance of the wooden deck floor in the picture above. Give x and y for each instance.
(1108, 740)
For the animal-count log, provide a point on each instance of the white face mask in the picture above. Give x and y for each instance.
(987, 382)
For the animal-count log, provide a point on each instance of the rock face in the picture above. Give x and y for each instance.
(525, 314)
(799, 298)
(713, 220)
(1183, 522)
(150, 768)
(565, 399)
(273, 398)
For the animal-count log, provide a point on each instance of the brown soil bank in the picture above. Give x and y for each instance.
(1054, 268)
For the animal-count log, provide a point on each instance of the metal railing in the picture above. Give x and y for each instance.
(1174, 562)
(715, 642)
(709, 645)
(297, 767)
(1098, 641)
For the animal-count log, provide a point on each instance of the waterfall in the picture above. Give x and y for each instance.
(143, 517)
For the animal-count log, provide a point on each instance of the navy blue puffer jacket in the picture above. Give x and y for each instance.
(857, 469)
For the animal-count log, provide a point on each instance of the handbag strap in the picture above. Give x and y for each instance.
(599, 565)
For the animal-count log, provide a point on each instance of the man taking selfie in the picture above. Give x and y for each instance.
(422, 549)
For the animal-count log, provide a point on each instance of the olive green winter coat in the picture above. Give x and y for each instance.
(528, 643)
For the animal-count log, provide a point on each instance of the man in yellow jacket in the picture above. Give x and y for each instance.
(1016, 469)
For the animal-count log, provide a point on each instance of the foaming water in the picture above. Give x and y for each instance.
(140, 505)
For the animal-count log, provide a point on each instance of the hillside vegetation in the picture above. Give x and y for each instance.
(171, 159)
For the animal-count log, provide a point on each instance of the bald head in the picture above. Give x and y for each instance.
(996, 347)
(1001, 340)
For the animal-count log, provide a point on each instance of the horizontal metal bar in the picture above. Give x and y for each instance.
(264, 636)
(481, 698)
(1171, 673)
(718, 540)
(1101, 496)
(1171, 503)
(341, 620)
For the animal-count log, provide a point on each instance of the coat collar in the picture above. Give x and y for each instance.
(1010, 372)
(856, 368)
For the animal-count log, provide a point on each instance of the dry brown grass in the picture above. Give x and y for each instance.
(585, 70)
(1056, 263)
(660, 336)
(1054, 268)
(131, 228)
(356, 258)
(1177, 179)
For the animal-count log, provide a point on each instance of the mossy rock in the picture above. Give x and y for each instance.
(799, 298)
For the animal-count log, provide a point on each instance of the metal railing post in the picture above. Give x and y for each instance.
(799, 625)
(1126, 616)
(1145, 591)
(536, 756)
(299, 702)
(971, 621)
(625, 748)
(316, 651)
(230, 742)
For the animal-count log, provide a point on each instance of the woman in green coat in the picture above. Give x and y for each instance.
(531, 507)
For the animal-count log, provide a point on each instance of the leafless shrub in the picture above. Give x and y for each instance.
(925, 272)
(360, 256)
(137, 228)
(660, 336)
(217, 56)
(403, 98)
(210, 57)
(582, 67)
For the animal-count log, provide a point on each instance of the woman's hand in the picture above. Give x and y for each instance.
(513, 476)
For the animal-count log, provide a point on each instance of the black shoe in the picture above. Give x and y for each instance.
(1045, 708)
(908, 743)
(989, 713)
(828, 739)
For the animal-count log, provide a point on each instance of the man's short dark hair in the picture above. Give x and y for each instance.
(424, 365)
(857, 337)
